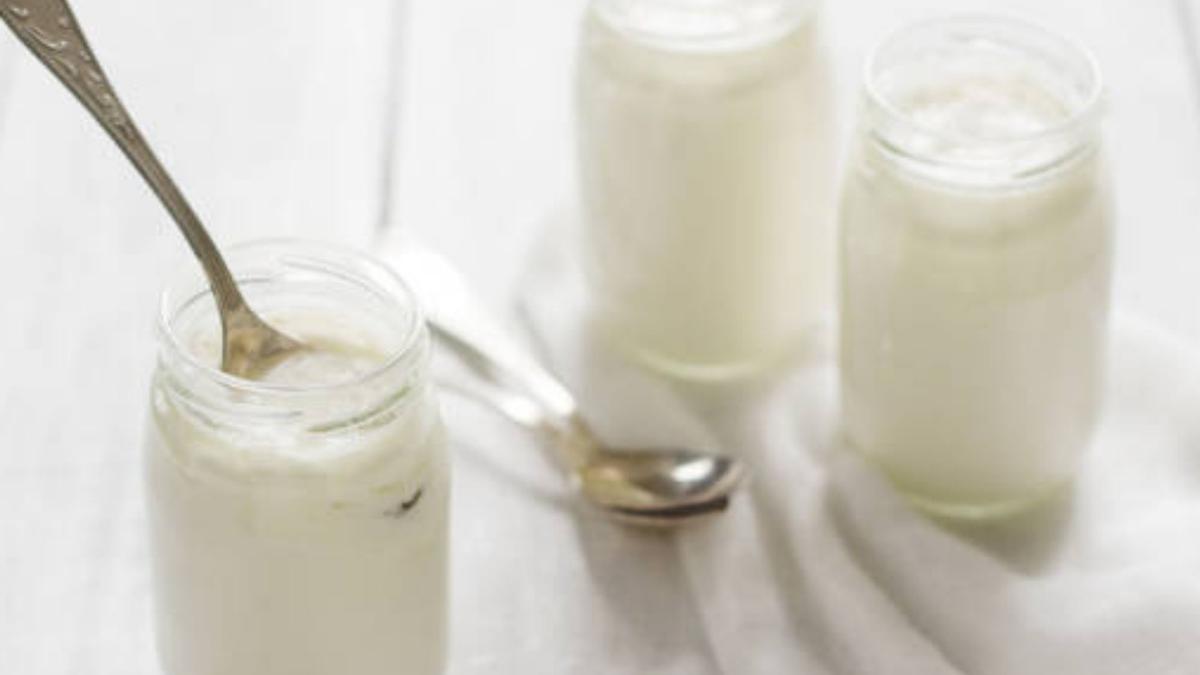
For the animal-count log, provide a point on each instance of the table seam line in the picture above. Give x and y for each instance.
(1191, 48)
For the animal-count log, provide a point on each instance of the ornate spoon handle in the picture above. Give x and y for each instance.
(48, 28)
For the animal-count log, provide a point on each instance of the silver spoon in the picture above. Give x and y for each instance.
(49, 29)
(643, 486)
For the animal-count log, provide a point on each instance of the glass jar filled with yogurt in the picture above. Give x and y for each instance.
(976, 248)
(705, 161)
(298, 521)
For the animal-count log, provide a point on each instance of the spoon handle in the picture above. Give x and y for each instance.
(461, 323)
(49, 29)
(516, 408)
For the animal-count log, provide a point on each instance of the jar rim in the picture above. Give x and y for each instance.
(700, 26)
(1081, 114)
(336, 260)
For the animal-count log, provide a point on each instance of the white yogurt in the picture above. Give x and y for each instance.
(976, 262)
(299, 522)
(705, 161)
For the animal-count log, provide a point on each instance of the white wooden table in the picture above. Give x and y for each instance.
(326, 119)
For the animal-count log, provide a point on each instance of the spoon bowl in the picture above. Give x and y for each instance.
(656, 478)
(250, 347)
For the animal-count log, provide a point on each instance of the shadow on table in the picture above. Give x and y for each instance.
(486, 461)
(639, 581)
(1027, 542)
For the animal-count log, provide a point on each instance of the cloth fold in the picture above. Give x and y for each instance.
(819, 567)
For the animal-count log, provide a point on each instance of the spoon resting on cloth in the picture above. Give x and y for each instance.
(49, 29)
(659, 487)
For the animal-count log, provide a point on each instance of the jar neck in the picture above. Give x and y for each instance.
(980, 101)
(336, 290)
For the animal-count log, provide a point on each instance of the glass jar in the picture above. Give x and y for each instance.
(705, 163)
(298, 525)
(976, 255)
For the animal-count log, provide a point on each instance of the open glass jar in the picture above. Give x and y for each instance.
(705, 165)
(298, 523)
(976, 237)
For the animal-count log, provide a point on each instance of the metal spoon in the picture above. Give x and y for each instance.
(643, 486)
(49, 29)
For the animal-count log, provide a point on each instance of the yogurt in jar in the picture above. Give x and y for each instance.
(976, 228)
(299, 521)
(705, 161)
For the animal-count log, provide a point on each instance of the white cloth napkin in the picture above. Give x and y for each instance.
(819, 568)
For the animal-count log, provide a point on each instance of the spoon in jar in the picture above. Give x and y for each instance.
(49, 29)
(659, 487)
